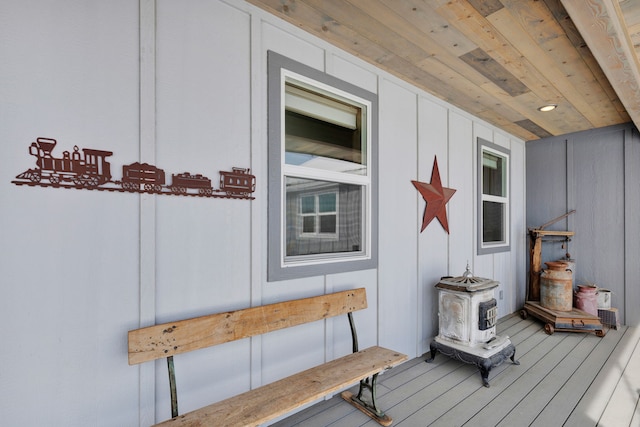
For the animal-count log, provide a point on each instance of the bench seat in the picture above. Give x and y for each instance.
(270, 401)
(281, 397)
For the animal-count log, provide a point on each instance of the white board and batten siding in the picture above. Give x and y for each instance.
(70, 259)
(433, 242)
(197, 103)
(203, 125)
(397, 253)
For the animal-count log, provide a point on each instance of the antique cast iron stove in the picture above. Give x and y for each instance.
(468, 314)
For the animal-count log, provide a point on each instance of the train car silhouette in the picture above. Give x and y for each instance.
(238, 182)
(137, 176)
(181, 182)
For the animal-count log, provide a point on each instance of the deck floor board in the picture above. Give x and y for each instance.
(568, 378)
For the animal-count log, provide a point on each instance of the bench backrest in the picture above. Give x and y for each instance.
(168, 339)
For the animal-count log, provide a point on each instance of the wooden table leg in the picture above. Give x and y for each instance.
(535, 267)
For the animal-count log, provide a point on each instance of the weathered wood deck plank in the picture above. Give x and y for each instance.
(510, 389)
(445, 408)
(625, 372)
(604, 381)
(576, 386)
(545, 391)
(624, 400)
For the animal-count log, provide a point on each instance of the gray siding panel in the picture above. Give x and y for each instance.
(599, 221)
(595, 173)
(632, 225)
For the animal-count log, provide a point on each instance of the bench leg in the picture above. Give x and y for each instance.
(172, 387)
(368, 407)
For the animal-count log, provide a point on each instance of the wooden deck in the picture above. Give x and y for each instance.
(564, 379)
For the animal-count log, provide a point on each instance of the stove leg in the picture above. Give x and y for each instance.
(433, 350)
(485, 367)
(484, 372)
(513, 358)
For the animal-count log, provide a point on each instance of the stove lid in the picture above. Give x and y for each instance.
(467, 282)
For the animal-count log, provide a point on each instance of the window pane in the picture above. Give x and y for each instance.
(308, 204)
(335, 233)
(493, 174)
(308, 224)
(493, 222)
(327, 202)
(327, 224)
(323, 132)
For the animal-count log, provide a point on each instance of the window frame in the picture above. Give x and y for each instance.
(504, 245)
(279, 266)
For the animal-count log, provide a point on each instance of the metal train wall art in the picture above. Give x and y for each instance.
(89, 170)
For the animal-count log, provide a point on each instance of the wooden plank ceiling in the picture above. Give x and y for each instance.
(498, 59)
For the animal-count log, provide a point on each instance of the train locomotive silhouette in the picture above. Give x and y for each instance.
(91, 170)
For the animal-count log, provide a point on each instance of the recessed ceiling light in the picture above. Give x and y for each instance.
(548, 107)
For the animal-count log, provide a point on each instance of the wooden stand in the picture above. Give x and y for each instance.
(571, 321)
(535, 259)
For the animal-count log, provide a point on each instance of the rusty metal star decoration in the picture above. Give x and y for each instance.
(436, 196)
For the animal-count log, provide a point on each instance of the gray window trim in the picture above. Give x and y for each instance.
(275, 271)
(483, 250)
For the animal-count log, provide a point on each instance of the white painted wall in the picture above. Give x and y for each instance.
(183, 85)
(69, 264)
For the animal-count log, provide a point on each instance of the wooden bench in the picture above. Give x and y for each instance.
(272, 400)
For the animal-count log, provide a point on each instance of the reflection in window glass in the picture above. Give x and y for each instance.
(328, 224)
(493, 222)
(323, 217)
(327, 202)
(493, 174)
(322, 131)
(308, 204)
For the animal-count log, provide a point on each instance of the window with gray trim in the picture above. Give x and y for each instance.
(322, 173)
(493, 198)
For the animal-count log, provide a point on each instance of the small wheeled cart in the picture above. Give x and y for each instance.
(570, 321)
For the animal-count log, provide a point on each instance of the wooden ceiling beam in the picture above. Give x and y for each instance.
(601, 24)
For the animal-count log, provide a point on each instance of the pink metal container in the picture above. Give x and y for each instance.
(587, 299)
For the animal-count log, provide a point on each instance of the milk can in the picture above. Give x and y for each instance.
(587, 299)
(556, 287)
(604, 298)
(571, 265)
